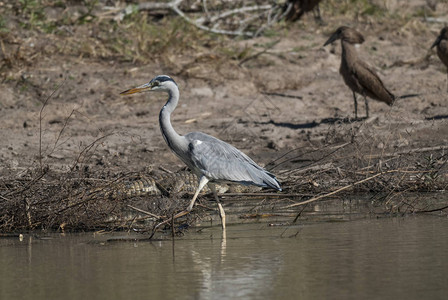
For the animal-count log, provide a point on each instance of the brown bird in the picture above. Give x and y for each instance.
(442, 47)
(358, 76)
(300, 7)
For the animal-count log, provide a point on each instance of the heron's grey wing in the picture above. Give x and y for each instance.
(371, 82)
(220, 161)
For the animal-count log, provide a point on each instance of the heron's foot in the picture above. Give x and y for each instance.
(222, 215)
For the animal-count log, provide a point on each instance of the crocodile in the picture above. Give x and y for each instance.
(169, 184)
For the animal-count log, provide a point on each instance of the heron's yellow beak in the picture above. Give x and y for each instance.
(142, 88)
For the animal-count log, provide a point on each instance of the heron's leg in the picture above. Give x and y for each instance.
(202, 182)
(447, 79)
(356, 105)
(367, 105)
(222, 213)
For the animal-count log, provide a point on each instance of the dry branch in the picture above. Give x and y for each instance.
(145, 212)
(87, 149)
(416, 150)
(44, 104)
(214, 22)
(341, 189)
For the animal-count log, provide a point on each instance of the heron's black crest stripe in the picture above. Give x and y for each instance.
(163, 78)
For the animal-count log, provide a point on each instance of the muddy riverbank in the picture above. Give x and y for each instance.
(66, 131)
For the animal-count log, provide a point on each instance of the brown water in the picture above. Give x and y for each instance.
(389, 258)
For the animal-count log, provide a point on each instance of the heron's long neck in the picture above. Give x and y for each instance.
(172, 138)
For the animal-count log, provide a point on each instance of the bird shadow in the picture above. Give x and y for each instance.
(437, 117)
(314, 123)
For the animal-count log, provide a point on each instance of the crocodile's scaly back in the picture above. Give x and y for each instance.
(127, 187)
(179, 183)
(143, 186)
(169, 184)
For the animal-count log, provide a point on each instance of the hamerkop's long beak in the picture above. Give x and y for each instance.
(438, 40)
(332, 38)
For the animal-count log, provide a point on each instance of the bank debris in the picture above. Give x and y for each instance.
(81, 199)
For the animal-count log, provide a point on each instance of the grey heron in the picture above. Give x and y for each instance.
(211, 159)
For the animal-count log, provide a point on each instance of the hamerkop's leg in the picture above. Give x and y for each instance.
(356, 105)
(317, 16)
(367, 106)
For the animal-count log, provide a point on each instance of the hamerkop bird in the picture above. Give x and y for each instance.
(300, 7)
(442, 47)
(359, 77)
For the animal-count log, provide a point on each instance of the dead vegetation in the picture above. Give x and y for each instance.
(344, 164)
(64, 189)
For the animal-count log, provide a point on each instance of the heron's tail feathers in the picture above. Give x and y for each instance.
(273, 183)
(269, 180)
(252, 174)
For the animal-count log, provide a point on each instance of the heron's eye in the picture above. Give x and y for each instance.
(155, 83)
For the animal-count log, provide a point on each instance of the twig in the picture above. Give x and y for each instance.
(418, 150)
(431, 210)
(173, 233)
(174, 6)
(158, 5)
(33, 181)
(282, 95)
(341, 189)
(271, 45)
(40, 121)
(60, 132)
(236, 11)
(144, 212)
(336, 148)
(278, 16)
(204, 5)
(165, 170)
(203, 27)
(326, 166)
(87, 149)
(273, 195)
(277, 159)
(298, 215)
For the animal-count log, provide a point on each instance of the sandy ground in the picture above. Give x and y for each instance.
(226, 100)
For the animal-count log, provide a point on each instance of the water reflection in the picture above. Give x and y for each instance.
(378, 258)
(240, 270)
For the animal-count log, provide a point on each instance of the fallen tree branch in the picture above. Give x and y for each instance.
(341, 189)
(213, 30)
(234, 11)
(208, 18)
